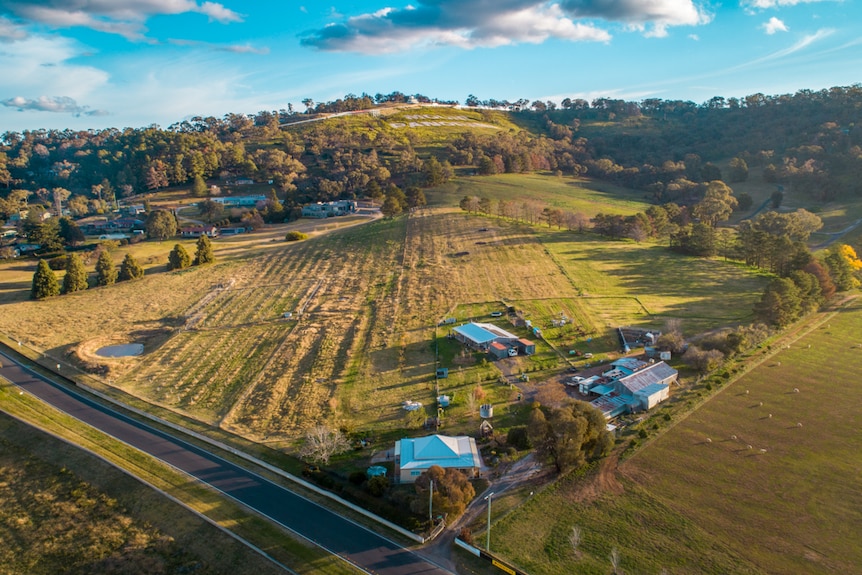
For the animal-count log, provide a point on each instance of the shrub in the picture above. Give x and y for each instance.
(518, 438)
(377, 485)
(295, 236)
(466, 535)
(357, 477)
(58, 263)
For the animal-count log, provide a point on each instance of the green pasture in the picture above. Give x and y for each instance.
(791, 503)
(575, 195)
(625, 283)
(651, 537)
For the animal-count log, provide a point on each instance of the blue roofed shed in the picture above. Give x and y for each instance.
(473, 334)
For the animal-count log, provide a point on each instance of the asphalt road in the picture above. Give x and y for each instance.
(362, 547)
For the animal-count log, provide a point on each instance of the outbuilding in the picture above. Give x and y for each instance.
(526, 347)
(498, 350)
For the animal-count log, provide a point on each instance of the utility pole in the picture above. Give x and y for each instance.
(431, 504)
(488, 534)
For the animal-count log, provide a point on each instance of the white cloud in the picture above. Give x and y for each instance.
(798, 46)
(123, 17)
(767, 4)
(488, 23)
(234, 48)
(9, 31)
(462, 23)
(40, 65)
(218, 12)
(55, 104)
(774, 25)
(653, 17)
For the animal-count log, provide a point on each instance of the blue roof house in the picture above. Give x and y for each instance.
(415, 456)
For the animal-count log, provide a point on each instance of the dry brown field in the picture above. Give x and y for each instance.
(365, 304)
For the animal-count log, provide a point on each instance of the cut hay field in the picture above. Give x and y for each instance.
(792, 503)
(789, 504)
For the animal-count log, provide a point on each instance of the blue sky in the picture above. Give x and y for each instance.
(131, 63)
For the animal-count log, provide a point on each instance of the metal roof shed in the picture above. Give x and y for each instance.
(474, 335)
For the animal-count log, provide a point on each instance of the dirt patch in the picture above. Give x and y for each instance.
(604, 480)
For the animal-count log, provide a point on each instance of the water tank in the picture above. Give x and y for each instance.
(486, 411)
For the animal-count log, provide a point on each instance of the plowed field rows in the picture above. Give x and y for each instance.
(203, 372)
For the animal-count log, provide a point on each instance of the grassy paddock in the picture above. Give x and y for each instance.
(697, 499)
(790, 503)
(577, 195)
(644, 284)
(365, 301)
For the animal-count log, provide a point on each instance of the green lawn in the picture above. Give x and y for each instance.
(791, 503)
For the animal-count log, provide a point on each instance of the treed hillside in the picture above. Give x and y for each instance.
(808, 140)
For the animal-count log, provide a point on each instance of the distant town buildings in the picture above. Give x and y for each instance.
(240, 201)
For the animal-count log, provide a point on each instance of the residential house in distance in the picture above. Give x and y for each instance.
(198, 231)
(322, 210)
(233, 230)
(240, 201)
(414, 456)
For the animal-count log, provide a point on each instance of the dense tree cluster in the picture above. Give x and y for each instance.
(452, 492)
(808, 140)
(568, 436)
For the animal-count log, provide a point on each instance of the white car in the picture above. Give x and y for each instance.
(496, 314)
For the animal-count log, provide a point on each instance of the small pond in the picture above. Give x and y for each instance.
(121, 350)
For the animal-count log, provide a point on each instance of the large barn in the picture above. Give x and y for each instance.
(481, 335)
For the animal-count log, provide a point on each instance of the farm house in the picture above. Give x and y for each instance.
(322, 210)
(481, 335)
(198, 231)
(639, 390)
(414, 456)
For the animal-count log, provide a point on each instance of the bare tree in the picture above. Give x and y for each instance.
(615, 561)
(471, 403)
(575, 539)
(321, 443)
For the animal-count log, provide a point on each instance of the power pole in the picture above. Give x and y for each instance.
(431, 504)
(488, 534)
